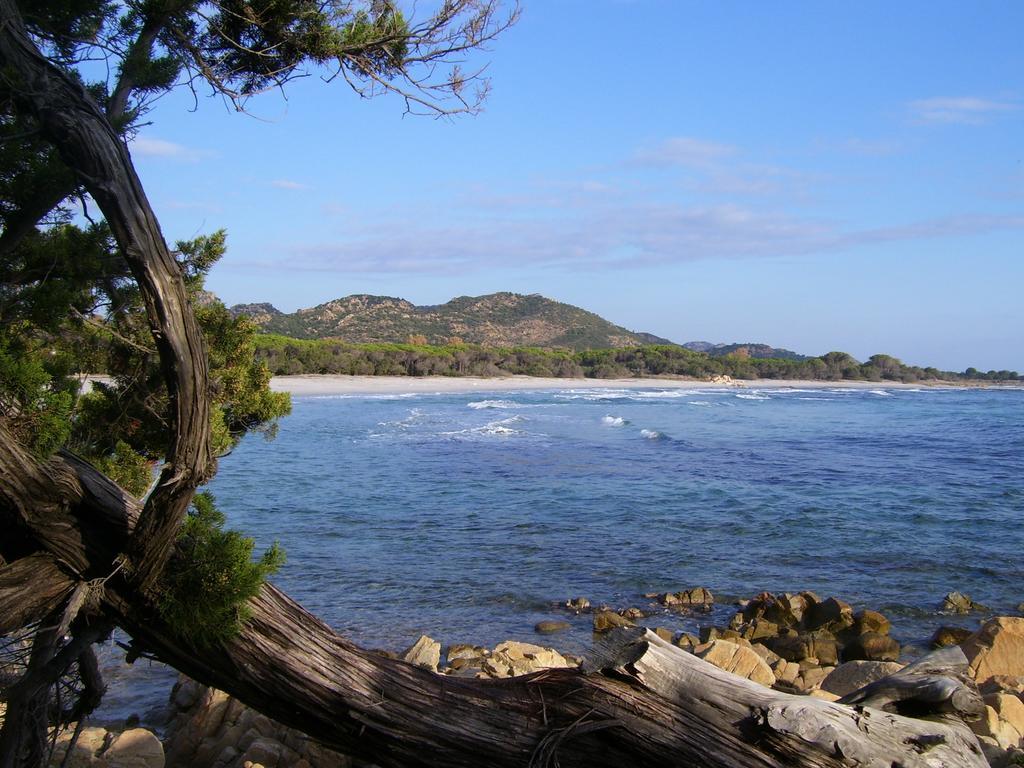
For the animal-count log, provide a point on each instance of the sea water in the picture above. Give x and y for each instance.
(470, 517)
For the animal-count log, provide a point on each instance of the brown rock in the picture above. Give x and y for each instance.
(791, 647)
(135, 748)
(687, 642)
(871, 646)
(760, 629)
(870, 621)
(550, 627)
(425, 653)
(823, 647)
(945, 636)
(633, 614)
(832, 614)
(959, 603)
(698, 596)
(738, 660)
(665, 634)
(606, 620)
(578, 604)
(996, 649)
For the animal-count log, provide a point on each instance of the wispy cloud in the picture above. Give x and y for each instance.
(604, 238)
(146, 146)
(962, 110)
(288, 184)
(684, 151)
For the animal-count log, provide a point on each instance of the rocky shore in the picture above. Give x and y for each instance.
(797, 643)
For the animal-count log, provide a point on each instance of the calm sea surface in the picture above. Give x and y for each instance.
(470, 516)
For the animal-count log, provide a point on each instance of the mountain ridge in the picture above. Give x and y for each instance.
(502, 319)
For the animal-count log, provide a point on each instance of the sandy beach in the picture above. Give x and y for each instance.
(324, 385)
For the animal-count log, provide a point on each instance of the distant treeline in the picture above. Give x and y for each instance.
(287, 356)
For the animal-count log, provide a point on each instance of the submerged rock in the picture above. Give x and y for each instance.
(550, 627)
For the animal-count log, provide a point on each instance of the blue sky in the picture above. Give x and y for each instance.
(812, 175)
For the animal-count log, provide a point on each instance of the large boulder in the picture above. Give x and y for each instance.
(213, 730)
(135, 748)
(833, 615)
(996, 649)
(853, 675)
(737, 659)
(1003, 720)
(871, 646)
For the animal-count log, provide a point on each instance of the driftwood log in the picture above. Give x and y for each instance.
(77, 554)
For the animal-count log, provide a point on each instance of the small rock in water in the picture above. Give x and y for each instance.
(550, 627)
(946, 636)
(578, 604)
(698, 596)
(958, 602)
(606, 620)
(633, 614)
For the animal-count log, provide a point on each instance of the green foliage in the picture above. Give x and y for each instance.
(212, 576)
(126, 467)
(288, 356)
(36, 404)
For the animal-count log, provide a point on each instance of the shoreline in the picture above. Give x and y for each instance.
(339, 384)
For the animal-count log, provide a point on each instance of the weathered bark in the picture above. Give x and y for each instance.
(29, 588)
(92, 148)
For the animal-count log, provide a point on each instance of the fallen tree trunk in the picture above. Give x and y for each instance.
(639, 701)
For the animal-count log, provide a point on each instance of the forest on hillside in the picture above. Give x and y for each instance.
(286, 356)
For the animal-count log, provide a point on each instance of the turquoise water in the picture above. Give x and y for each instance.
(470, 516)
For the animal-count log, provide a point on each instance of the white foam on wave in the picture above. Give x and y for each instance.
(829, 399)
(704, 403)
(613, 421)
(880, 392)
(753, 397)
(480, 405)
(650, 434)
(415, 415)
(498, 428)
(660, 394)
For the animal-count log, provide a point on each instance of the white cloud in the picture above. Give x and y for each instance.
(684, 151)
(145, 146)
(962, 110)
(288, 184)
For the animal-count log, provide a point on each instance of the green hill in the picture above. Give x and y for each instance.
(495, 320)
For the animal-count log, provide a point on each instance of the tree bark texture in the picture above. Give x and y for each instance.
(92, 148)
